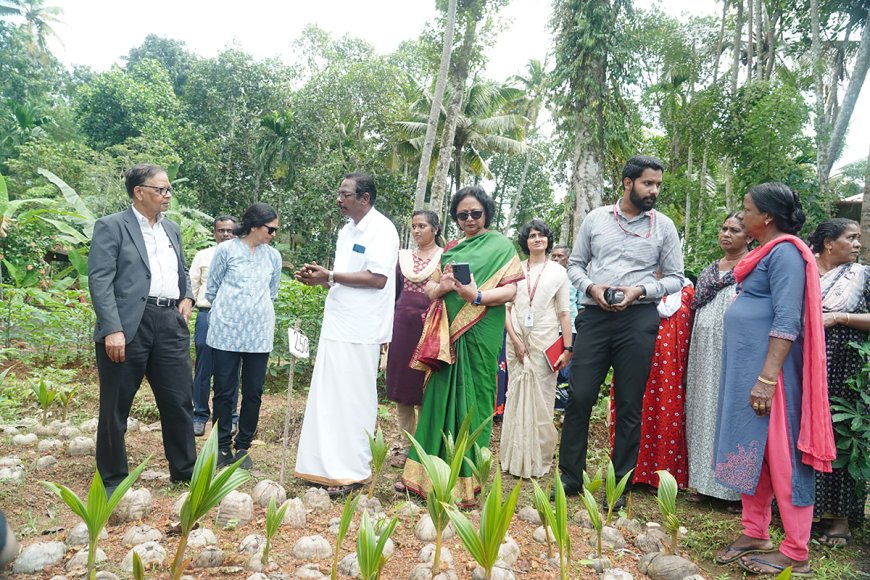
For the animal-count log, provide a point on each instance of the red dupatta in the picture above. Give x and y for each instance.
(816, 438)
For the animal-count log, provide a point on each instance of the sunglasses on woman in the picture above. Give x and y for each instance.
(464, 215)
(271, 230)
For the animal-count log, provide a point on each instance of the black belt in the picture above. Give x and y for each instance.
(167, 302)
(203, 308)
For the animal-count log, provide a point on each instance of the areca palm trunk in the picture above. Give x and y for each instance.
(587, 179)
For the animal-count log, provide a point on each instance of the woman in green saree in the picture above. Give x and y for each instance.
(462, 337)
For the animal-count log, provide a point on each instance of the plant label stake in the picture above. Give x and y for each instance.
(298, 346)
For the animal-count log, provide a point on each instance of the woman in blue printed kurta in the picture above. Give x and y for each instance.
(242, 284)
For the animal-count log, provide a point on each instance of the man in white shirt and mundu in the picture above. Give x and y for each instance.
(358, 317)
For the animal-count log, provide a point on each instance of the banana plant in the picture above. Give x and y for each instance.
(95, 513)
(595, 517)
(495, 518)
(541, 501)
(443, 477)
(370, 547)
(65, 397)
(206, 491)
(274, 518)
(667, 500)
(481, 467)
(379, 449)
(343, 525)
(45, 396)
(614, 490)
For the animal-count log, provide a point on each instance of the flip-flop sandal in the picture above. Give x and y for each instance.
(399, 458)
(777, 568)
(741, 551)
(341, 490)
(826, 538)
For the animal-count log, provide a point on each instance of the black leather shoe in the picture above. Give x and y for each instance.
(198, 428)
(242, 454)
(224, 458)
(569, 491)
(621, 502)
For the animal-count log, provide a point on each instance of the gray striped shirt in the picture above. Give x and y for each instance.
(617, 251)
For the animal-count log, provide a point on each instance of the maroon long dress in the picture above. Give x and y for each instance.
(404, 384)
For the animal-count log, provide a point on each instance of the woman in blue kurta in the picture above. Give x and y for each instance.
(768, 442)
(242, 284)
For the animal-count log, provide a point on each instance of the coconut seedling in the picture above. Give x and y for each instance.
(65, 398)
(542, 506)
(481, 467)
(207, 489)
(343, 525)
(667, 500)
(594, 516)
(96, 510)
(379, 449)
(443, 477)
(613, 490)
(558, 522)
(370, 547)
(495, 518)
(274, 518)
(138, 568)
(45, 396)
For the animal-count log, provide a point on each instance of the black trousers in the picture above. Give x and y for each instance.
(622, 340)
(160, 351)
(226, 366)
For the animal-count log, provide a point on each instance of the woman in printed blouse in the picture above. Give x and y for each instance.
(242, 284)
(774, 426)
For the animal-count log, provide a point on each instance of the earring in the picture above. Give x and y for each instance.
(767, 222)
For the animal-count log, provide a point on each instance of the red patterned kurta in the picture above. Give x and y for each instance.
(663, 424)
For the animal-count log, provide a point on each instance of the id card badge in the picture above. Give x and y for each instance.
(530, 319)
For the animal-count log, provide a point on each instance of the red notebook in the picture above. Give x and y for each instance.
(554, 351)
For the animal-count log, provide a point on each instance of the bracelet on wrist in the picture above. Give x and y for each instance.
(766, 381)
(568, 347)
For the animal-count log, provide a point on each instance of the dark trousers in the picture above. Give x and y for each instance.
(622, 340)
(202, 371)
(226, 382)
(160, 351)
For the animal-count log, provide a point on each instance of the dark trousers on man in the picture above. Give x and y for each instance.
(622, 340)
(203, 369)
(160, 351)
(226, 382)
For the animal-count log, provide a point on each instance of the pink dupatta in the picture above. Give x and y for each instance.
(816, 438)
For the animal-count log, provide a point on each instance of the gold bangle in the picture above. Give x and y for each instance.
(766, 381)
(848, 318)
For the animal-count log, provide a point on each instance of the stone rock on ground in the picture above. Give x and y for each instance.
(372, 506)
(498, 573)
(36, 557)
(509, 552)
(80, 560)
(236, 506)
(133, 425)
(334, 523)
(82, 447)
(598, 564)
(45, 430)
(295, 516)
(540, 535)
(201, 537)
(105, 575)
(78, 536)
(9, 429)
(210, 557)
(10, 461)
(530, 515)
(311, 548)
(141, 534)
(611, 539)
(255, 563)
(12, 474)
(425, 530)
(632, 526)
(424, 572)
(408, 509)
(45, 462)
(349, 566)
(25, 440)
(69, 432)
(427, 553)
(660, 566)
(309, 571)
(252, 544)
(154, 475)
(317, 499)
(258, 576)
(89, 427)
(151, 554)
(134, 506)
(49, 445)
(651, 540)
(616, 574)
(582, 519)
(266, 490)
(176, 507)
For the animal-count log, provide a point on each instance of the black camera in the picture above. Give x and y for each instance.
(613, 296)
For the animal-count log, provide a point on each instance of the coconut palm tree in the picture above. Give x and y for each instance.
(38, 20)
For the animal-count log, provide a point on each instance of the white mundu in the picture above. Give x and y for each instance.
(342, 402)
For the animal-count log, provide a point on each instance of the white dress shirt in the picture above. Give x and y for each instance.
(162, 259)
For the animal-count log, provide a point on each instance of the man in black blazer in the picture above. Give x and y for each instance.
(141, 295)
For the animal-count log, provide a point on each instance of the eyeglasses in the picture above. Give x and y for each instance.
(225, 231)
(162, 191)
(271, 230)
(464, 215)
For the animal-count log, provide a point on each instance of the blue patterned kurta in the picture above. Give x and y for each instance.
(241, 287)
(769, 304)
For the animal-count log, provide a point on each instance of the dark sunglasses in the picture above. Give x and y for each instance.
(464, 215)
(271, 230)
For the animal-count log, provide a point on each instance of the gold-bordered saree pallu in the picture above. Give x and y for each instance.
(459, 350)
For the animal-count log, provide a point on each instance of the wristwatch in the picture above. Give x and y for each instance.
(331, 279)
(642, 292)
(479, 298)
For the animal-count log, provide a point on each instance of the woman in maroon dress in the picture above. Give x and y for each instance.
(415, 268)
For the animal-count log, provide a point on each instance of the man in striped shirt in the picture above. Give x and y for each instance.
(618, 250)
